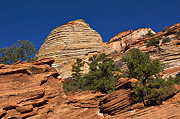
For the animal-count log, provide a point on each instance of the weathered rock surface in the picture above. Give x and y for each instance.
(121, 41)
(170, 54)
(29, 90)
(120, 35)
(119, 101)
(82, 105)
(86, 99)
(167, 111)
(72, 40)
(33, 91)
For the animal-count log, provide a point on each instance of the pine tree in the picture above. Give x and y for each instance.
(23, 50)
(155, 42)
(147, 89)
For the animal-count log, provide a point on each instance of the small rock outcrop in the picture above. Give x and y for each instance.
(167, 111)
(119, 101)
(121, 41)
(120, 35)
(72, 40)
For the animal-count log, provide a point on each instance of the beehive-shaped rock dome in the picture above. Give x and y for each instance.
(72, 40)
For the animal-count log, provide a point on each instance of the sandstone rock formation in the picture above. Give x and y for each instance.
(29, 90)
(167, 111)
(72, 40)
(121, 34)
(33, 91)
(170, 54)
(124, 39)
(119, 101)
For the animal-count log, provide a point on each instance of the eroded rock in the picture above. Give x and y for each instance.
(72, 40)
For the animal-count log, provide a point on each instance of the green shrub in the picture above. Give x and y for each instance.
(178, 34)
(156, 90)
(149, 90)
(165, 40)
(167, 29)
(154, 42)
(149, 34)
(23, 50)
(100, 78)
(140, 66)
(76, 81)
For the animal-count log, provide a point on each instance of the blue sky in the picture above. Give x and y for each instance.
(34, 19)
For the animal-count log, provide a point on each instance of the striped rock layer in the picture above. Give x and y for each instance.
(72, 40)
(121, 41)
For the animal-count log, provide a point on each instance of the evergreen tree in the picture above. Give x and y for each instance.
(147, 89)
(155, 42)
(23, 50)
(76, 82)
(100, 77)
(140, 66)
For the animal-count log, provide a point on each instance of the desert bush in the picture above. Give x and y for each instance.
(100, 78)
(147, 89)
(167, 29)
(76, 81)
(178, 34)
(154, 42)
(149, 34)
(165, 40)
(23, 50)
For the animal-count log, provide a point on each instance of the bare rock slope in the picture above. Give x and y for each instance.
(33, 91)
(29, 90)
(72, 40)
(124, 39)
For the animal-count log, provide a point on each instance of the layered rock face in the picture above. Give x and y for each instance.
(119, 101)
(33, 91)
(29, 90)
(170, 53)
(121, 41)
(72, 40)
(121, 34)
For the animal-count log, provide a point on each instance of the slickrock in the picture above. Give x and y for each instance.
(86, 99)
(119, 101)
(72, 40)
(29, 90)
(82, 105)
(33, 91)
(122, 41)
(168, 111)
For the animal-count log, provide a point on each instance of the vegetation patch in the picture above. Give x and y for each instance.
(165, 40)
(154, 42)
(101, 76)
(151, 89)
(23, 50)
